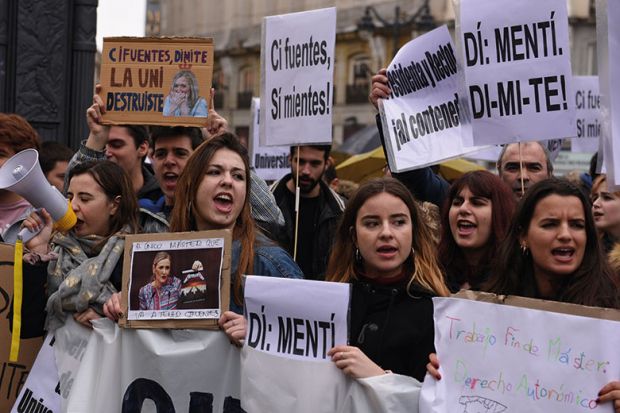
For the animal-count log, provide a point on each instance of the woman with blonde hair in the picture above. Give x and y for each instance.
(606, 212)
(386, 252)
(162, 291)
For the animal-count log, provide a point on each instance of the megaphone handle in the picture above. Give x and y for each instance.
(26, 235)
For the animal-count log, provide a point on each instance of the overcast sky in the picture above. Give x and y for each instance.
(120, 18)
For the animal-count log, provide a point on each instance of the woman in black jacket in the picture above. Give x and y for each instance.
(384, 250)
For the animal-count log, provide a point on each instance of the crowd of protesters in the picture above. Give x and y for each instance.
(521, 232)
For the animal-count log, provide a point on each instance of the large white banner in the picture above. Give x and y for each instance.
(608, 52)
(297, 71)
(42, 388)
(195, 371)
(497, 358)
(284, 318)
(278, 385)
(516, 60)
(421, 119)
(269, 162)
(588, 104)
(130, 370)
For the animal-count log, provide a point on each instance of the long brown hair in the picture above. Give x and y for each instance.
(184, 211)
(342, 266)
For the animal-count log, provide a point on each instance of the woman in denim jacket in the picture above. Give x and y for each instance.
(213, 193)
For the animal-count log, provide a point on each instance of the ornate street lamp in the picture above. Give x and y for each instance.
(421, 19)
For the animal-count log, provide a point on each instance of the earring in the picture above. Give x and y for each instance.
(358, 257)
(524, 249)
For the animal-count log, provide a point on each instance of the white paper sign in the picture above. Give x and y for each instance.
(297, 71)
(421, 120)
(269, 162)
(285, 320)
(497, 358)
(516, 59)
(608, 47)
(587, 102)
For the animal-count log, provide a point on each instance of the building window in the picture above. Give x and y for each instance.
(246, 87)
(218, 85)
(358, 79)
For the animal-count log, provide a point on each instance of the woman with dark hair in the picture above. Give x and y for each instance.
(552, 250)
(85, 264)
(385, 251)
(474, 220)
(162, 292)
(213, 192)
(184, 98)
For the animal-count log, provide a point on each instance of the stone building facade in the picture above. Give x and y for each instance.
(235, 26)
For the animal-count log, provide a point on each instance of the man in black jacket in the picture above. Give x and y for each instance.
(319, 210)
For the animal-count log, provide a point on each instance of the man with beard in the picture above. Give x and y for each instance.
(319, 209)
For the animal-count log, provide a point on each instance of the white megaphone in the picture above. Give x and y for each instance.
(22, 174)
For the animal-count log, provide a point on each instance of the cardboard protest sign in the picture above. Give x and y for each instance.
(156, 81)
(297, 71)
(587, 103)
(421, 119)
(506, 358)
(516, 62)
(13, 375)
(269, 162)
(284, 320)
(608, 52)
(176, 279)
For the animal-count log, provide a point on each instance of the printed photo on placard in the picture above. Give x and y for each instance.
(170, 277)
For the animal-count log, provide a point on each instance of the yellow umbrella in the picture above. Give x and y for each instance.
(453, 169)
(362, 167)
(365, 166)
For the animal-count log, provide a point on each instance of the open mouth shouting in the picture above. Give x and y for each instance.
(223, 202)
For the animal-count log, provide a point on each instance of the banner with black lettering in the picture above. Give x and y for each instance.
(421, 118)
(587, 102)
(608, 52)
(156, 370)
(516, 61)
(297, 72)
(269, 162)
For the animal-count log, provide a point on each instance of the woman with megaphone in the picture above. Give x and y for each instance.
(85, 265)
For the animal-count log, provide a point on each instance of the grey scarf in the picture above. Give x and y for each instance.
(75, 281)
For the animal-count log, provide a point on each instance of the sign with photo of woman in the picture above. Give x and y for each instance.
(156, 81)
(176, 280)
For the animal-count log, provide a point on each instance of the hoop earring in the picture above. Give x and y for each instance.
(358, 256)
